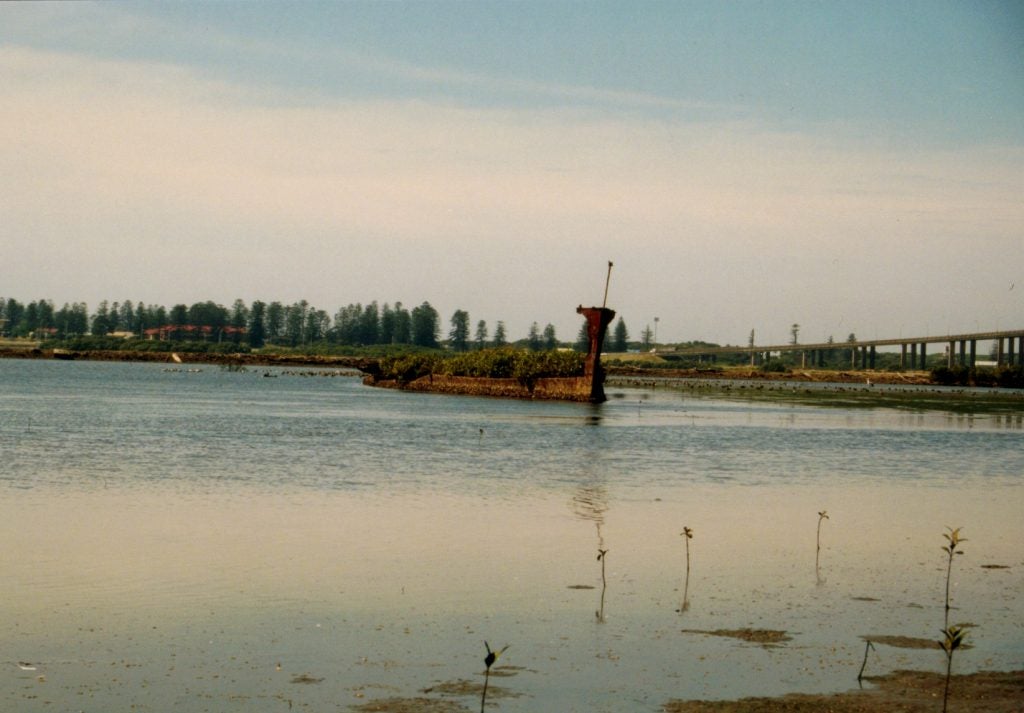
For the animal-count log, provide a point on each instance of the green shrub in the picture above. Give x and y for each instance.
(1007, 377)
(407, 367)
(486, 363)
(775, 366)
(982, 376)
(1010, 377)
(950, 376)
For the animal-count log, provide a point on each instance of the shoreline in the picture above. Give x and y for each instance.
(610, 367)
(159, 357)
(906, 691)
(819, 386)
(846, 376)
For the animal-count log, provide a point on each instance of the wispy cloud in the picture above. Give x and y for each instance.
(160, 133)
(143, 159)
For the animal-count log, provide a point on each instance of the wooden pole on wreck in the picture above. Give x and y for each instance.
(606, 281)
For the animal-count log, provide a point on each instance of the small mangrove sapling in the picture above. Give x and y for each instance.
(952, 636)
(869, 646)
(952, 639)
(687, 535)
(601, 557)
(953, 541)
(822, 515)
(489, 660)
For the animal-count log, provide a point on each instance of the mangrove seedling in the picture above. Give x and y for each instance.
(868, 647)
(687, 535)
(952, 639)
(822, 515)
(953, 541)
(601, 557)
(489, 660)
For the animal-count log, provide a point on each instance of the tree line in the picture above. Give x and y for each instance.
(271, 323)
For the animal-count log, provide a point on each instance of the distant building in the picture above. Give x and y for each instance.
(192, 332)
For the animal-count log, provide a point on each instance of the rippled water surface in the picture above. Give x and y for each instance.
(225, 541)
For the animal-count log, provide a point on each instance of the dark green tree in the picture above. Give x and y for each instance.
(458, 337)
(647, 337)
(533, 338)
(583, 339)
(425, 325)
(72, 320)
(45, 314)
(114, 317)
(140, 321)
(550, 340)
(101, 320)
(403, 325)
(207, 314)
(369, 324)
(13, 313)
(30, 320)
(620, 337)
(178, 319)
(126, 321)
(274, 323)
(346, 324)
(294, 322)
(257, 332)
(500, 339)
(387, 324)
(828, 358)
(481, 334)
(317, 325)
(239, 314)
(848, 353)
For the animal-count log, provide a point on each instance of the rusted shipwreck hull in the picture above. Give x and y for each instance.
(586, 388)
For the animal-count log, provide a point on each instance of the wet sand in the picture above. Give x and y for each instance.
(906, 691)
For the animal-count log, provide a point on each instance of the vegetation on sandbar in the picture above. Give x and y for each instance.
(505, 363)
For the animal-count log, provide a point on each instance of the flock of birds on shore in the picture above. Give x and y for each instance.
(267, 373)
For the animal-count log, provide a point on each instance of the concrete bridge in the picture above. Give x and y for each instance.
(960, 349)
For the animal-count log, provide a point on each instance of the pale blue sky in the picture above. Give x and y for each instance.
(852, 167)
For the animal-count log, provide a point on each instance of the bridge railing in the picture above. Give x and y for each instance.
(959, 348)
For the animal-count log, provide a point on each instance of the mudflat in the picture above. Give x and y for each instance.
(906, 691)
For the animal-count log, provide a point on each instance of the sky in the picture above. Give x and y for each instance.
(851, 167)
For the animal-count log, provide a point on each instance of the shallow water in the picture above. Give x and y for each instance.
(195, 541)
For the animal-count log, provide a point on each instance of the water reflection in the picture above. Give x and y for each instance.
(591, 503)
(822, 515)
(354, 535)
(602, 558)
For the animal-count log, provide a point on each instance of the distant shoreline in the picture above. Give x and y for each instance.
(694, 379)
(238, 358)
(612, 369)
(845, 376)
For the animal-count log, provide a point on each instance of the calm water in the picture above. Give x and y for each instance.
(210, 540)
